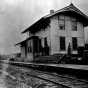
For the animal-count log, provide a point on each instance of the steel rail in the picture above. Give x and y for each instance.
(48, 73)
(56, 83)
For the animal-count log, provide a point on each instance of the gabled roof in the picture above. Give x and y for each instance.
(70, 8)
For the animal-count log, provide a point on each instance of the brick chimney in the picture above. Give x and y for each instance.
(51, 11)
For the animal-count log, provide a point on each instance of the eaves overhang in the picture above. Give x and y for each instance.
(43, 22)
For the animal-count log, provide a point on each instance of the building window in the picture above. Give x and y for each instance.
(61, 27)
(62, 43)
(29, 47)
(74, 24)
(61, 21)
(45, 41)
(74, 43)
(40, 45)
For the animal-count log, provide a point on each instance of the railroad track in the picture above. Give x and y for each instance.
(64, 80)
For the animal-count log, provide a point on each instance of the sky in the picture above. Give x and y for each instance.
(17, 15)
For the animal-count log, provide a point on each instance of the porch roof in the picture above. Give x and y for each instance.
(24, 41)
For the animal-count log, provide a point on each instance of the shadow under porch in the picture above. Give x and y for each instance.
(38, 49)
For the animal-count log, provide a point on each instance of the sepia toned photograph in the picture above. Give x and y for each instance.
(43, 43)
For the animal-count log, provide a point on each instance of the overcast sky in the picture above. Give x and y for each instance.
(16, 15)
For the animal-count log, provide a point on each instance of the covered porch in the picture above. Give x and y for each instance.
(37, 48)
(32, 48)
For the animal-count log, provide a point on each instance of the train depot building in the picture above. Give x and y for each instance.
(53, 33)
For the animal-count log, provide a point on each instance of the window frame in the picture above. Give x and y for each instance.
(29, 48)
(74, 24)
(62, 43)
(74, 43)
(63, 22)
